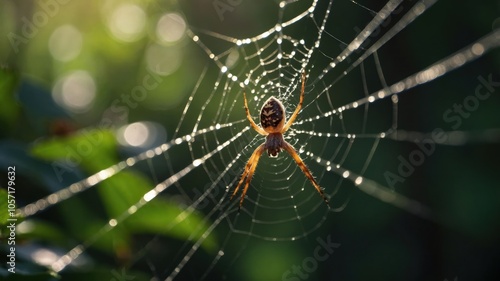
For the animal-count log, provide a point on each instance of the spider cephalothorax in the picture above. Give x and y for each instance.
(274, 125)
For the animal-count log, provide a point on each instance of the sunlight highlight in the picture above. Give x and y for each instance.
(150, 195)
(65, 43)
(171, 27)
(136, 134)
(127, 23)
(44, 256)
(141, 134)
(75, 92)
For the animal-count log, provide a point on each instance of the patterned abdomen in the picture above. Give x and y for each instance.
(272, 116)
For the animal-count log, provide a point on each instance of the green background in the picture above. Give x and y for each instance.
(377, 241)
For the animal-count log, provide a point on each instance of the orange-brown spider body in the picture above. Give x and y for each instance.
(273, 126)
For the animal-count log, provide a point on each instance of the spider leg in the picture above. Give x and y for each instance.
(299, 106)
(249, 117)
(245, 173)
(289, 148)
(248, 173)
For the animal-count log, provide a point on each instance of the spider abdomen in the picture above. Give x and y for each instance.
(272, 116)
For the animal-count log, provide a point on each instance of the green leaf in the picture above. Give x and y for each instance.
(160, 215)
(166, 217)
(40, 230)
(9, 108)
(4, 212)
(95, 150)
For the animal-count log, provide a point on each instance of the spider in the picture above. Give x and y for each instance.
(274, 125)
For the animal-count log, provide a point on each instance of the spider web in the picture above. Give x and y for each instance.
(366, 113)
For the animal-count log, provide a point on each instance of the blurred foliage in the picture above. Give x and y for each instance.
(4, 215)
(96, 151)
(41, 133)
(9, 108)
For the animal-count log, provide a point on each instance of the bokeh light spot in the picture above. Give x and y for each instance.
(162, 59)
(75, 92)
(136, 134)
(170, 28)
(65, 43)
(141, 135)
(127, 22)
(232, 58)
